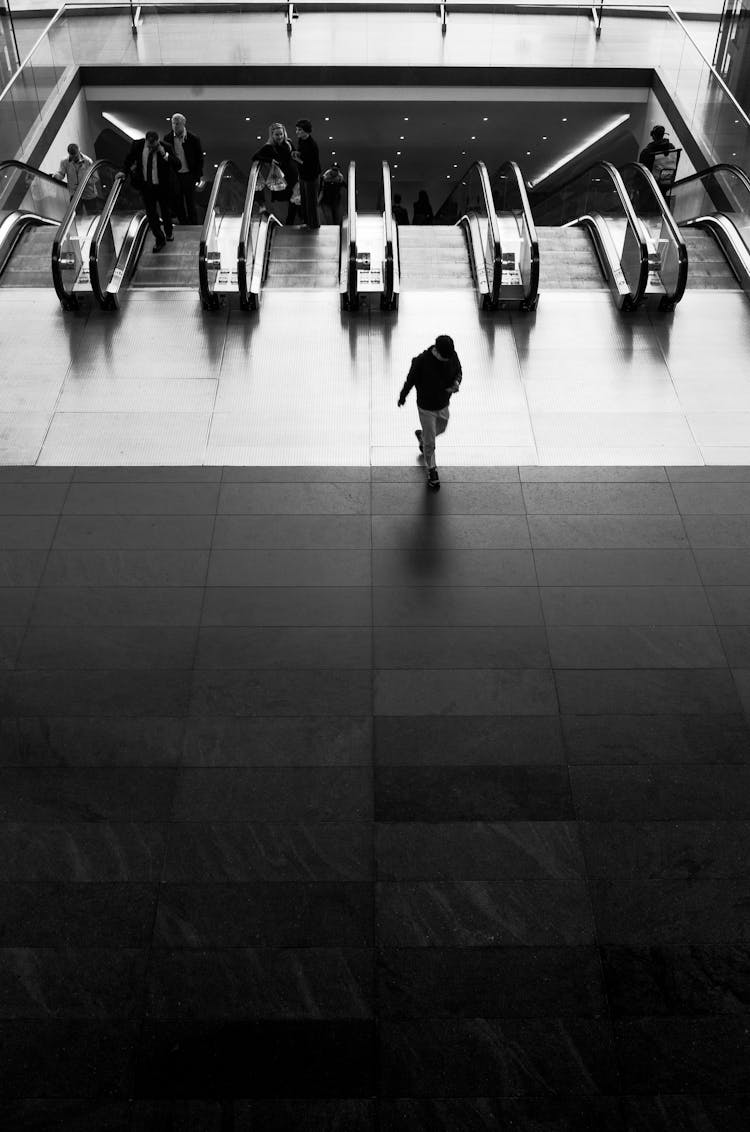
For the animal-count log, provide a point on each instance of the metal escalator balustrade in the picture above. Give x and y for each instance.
(667, 251)
(391, 259)
(597, 200)
(227, 226)
(32, 205)
(520, 245)
(717, 201)
(470, 208)
(70, 250)
(348, 256)
(117, 242)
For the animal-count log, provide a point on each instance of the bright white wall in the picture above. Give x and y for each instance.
(76, 127)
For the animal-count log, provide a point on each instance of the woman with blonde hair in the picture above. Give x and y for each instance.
(279, 169)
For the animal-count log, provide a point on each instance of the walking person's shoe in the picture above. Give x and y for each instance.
(433, 480)
(418, 434)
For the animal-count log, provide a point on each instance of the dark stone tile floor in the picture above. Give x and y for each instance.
(329, 804)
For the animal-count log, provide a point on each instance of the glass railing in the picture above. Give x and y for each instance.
(517, 232)
(722, 189)
(598, 200)
(70, 251)
(391, 272)
(116, 241)
(26, 189)
(470, 204)
(217, 253)
(667, 253)
(480, 33)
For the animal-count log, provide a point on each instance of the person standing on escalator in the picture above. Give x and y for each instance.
(151, 164)
(279, 171)
(73, 170)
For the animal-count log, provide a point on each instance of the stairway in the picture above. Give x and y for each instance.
(30, 263)
(304, 258)
(176, 265)
(434, 258)
(707, 265)
(568, 260)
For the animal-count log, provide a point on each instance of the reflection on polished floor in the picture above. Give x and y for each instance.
(162, 382)
(330, 805)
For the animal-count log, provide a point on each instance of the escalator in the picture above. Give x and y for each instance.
(590, 236)
(32, 206)
(120, 256)
(713, 211)
(282, 257)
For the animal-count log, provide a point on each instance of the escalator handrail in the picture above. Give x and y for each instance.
(390, 244)
(494, 227)
(66, 223)
(631, 219)
(25, 168)
(351, 220)
(531, 293)
(722, 167)
(104, 219)
(674, 229)
(245, 241)
(203, 287)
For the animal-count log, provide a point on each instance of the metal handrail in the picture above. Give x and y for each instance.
(208, 297)
(390, 258)
(722, 167)
(26, 168)
(67, 298)
(635, 226)
(531, 292)
(674, 230)
(104, 219)
(494, 246)
(16, 74)
(245, 241)
(352, 298)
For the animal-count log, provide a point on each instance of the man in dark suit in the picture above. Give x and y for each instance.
(149, 163)
(189, 152)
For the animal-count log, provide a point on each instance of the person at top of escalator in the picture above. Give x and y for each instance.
(279, 170)
(73, 169)
(659, 143)
(422, 213)
(307, 159)
(189, 152)
(400, 215)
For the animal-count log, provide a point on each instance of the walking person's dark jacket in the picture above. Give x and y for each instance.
(309, 165)
(434, 380)
(193, 149)
(165, 166)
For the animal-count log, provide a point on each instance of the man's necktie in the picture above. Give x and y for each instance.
(150, 167)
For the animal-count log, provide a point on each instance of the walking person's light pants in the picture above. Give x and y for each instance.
(434, 422)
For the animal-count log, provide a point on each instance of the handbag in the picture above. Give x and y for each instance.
(275, 179)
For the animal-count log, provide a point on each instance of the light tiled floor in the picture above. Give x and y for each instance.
(162, 382)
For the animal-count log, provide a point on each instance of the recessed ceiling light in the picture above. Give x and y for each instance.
(564, 119)
(330, 137)
(247, 119)
(259, 137)
(395, 166)
(333, 153)
(485, 119)
(398, 153)
(473, 137)
(406, 119)
(455, 167)
(528, 153)
(401, 137)
(463, 153)
(326, 119)
(544, 137)
(216, 166)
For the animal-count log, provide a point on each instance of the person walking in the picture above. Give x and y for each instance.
(189, 152)
(435, 374)
(307, 157)
(150, 164)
